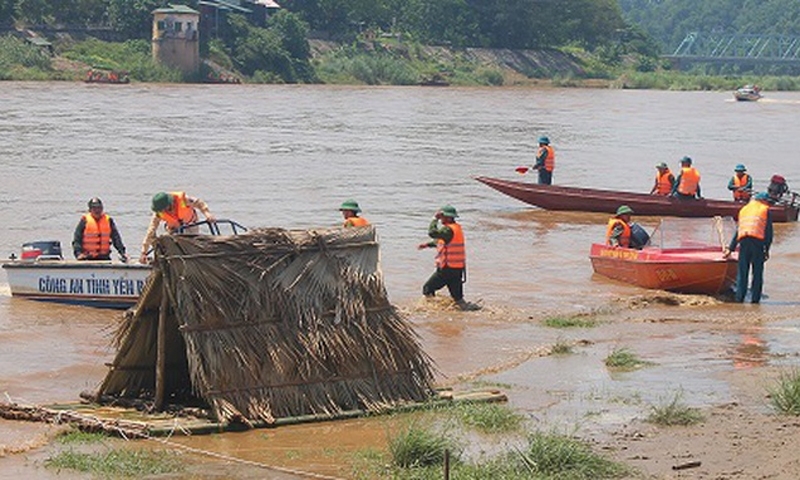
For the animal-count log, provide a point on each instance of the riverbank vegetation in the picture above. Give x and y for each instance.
(601, 43)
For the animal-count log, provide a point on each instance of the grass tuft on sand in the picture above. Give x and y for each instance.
(625, 360)
(570, 322)
(489, 417)
(674, 412)
(785, 394)
(118, 462)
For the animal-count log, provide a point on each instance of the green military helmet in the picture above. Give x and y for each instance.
(686, 160)
(544, 140)
(161, 201)
(662, 165)
(95, 202)
(740, 168)
(449, 211)
(623, 210)
(350, 204)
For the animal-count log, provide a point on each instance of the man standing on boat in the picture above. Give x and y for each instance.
(618, 233)
(665, 180)
(95, 233)
(545, 161)
(451, 257)
(741, 184)
(350, 211)
(754, 237)
(176, 210)
(687, 185)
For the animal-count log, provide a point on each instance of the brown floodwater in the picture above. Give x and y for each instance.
(287, 156)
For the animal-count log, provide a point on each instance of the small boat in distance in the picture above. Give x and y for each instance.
(557, 197)
(748, 93)
(679, 262)
(106, 75)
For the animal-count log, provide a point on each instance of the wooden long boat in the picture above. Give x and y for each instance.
(682, 270)
(557, 197)
(104, 284)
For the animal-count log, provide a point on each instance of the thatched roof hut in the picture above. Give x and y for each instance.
(269, 324)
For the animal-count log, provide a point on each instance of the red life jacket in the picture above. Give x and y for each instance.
(625, 238)
(96, 237)
(179, 213)
(453, 254)
(753, 220)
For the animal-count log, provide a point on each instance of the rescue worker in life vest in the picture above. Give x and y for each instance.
(754, 237)
(687, 185)
(95, 233)
(350, 211)
(741, 184)
(618, 233)
(451, 257)
(545, 161)
(175, 209)
(665, 180)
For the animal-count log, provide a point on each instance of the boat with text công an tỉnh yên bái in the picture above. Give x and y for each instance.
(675, 259)
(42, 274)
(557, 197)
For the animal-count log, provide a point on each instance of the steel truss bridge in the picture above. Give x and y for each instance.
(738, 49)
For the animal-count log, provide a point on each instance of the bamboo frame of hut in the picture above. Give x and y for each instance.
(269, 324)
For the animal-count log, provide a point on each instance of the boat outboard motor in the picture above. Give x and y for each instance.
(42, 250)
(639, 236)
(777, 188)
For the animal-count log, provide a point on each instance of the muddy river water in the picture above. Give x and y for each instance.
(287, 156)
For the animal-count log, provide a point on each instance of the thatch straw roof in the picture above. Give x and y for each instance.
(271, 324)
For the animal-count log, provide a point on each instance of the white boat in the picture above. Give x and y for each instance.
(748, 93)
(42, 274)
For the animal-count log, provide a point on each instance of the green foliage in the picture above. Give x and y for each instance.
(264, 50)
(576, 321)
(785, 395)
(489, 417)
(117, 463)
(20, 60)
(133, 56)
(416, 446)
(668, 22)
(557, 456)
(77, 436)
(674, 412)
(624, 359)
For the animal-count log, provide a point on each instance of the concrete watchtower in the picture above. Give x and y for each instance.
(176, 42)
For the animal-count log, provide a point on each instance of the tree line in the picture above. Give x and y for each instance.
(669, 21)
(515, 24)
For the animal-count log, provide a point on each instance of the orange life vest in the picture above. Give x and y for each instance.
(625, 238)
(453, 254)
(740, 195)
(180, 213)
(664, 186)
(96, 236)
(356, 222)
(690, 180)
(550, 159)
(753, 220)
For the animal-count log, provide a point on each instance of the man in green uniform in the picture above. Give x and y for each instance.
(451, 258)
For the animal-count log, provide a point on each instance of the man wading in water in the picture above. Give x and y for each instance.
(451, 257)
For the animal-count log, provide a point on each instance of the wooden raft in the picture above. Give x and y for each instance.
(131, 423)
